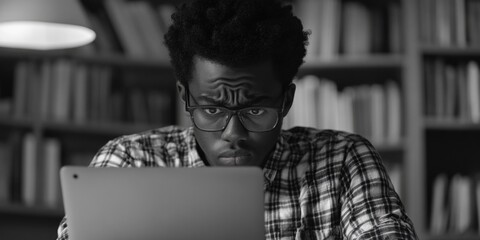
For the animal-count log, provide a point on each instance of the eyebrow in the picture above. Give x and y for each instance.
(224, 102)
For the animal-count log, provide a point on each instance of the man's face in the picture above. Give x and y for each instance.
(235, 88)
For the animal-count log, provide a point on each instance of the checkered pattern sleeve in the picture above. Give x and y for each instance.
(371, 209)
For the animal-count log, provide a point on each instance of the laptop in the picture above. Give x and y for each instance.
(163, 203)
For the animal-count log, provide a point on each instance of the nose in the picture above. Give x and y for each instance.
(234, 132)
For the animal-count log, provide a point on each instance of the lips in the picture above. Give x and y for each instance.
(235, 158)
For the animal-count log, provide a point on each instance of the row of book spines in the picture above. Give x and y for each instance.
(63, 90)
(33, 178)
(450, 22)
(134, 27)
(350, 28)
(455, 206)
(374, 111)
(452, 90)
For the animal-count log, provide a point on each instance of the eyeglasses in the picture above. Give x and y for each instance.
(212, 118)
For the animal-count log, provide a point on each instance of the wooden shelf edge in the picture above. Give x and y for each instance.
(452, 236)
(14, 122)
(367, 61)
(446, 124)
(449, 50)
(114, 59)
(100, 128)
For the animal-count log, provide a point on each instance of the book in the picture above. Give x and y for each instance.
(394, 112)
(20, 96)
(46, 87)
(395, 27)
(29, 170)
(81, 94)
(310, 105)
(330, 24)
(377, 97)
(50, 166)
(443, 22)
(463, 107)
(62, 89)
(438, 213)
(473, 86)
(465, 205)
(439, 81)
(473, 28)
(356, 29)
(6, 169)
(450, 92)
(460, 23)
(345, 108)
(104, 82)
(329, 103)
(427, 89)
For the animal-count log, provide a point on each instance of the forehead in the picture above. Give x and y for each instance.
(255, 79)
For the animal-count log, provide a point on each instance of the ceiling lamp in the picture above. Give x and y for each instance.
(43, 24)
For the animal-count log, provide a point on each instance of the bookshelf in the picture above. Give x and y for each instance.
(441, 51)
(115, 87)
(405, 48)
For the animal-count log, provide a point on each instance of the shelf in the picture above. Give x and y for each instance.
(444, 124)
(37, 211)
(115, 59)
(369, 61)
(454, 237)
(450, 51)
(100, 128)
(15, 123)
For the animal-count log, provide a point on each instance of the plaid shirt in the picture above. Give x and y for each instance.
(318, 184)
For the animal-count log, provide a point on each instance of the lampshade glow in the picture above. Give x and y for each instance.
(43, 24)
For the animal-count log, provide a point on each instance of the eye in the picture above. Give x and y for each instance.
(212, 110)
(256, 111)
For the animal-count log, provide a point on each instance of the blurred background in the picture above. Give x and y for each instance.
(403, 73)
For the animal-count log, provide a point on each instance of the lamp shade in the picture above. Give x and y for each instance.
(43, 24)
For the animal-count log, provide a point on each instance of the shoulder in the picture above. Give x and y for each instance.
(323, 149)
(147, 148)
(321, 139)
(154, 137)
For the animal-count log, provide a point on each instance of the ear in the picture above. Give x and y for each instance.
(181, 90)
(289, 95)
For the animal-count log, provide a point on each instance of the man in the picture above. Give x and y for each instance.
(235, 61)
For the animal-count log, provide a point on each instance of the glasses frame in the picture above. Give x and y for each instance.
(230, 112)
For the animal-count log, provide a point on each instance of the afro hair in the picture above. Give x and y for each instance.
(236, 33)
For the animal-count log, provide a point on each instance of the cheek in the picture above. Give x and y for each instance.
(207, 141)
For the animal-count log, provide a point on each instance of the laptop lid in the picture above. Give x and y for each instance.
(163, 203)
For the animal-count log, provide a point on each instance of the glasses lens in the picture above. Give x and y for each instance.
(253, 119)
(259, 119)
(210, 118)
